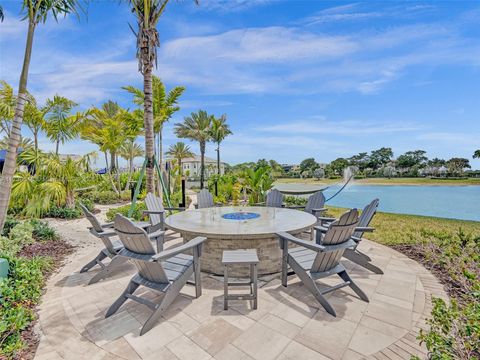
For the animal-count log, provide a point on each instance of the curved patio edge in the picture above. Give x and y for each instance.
(71, 324)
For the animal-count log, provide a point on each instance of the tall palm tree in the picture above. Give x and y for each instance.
(179, 151)
(164, 106)
(476, 154)
(129, 151)
(197, 128)
(219, 131)
(35, 11)
(60, 125)
(148, 14)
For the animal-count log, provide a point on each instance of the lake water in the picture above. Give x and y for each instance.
(455, 202)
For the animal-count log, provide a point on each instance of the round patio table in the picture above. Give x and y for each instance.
(238, 227)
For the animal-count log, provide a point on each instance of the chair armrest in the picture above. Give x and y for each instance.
(175, 208)
(326, 219)
(178, 250)
(153, 212)
(156, 234)
(348, 244)
(320, 228)
(365, 229)
(107, 225)
(307, 244)
(319, 210)
(103, 233)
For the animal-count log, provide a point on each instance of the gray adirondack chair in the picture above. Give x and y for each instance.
(354, 254)
(204, 199)
(111, 248)
(315, 206)
(312, 261)
(166, 272)
(274, 198)
(156, 212)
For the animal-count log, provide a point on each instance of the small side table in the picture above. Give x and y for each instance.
(240, 257)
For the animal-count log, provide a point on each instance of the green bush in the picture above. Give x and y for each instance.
(137, 213)
(85, 201)
(20, 235)
(20, 292)
(294, 200)
(42, 231)
(9, 224)
(105, 197)
(64, 213)
(454, 331)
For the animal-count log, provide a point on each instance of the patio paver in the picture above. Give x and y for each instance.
(289, 323)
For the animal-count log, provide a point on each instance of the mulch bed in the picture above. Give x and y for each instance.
(417, 253)
(58, 251)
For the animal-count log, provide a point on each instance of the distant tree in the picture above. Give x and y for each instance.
(261, 163)
(476, 154)
(129, 151)
(457, 165)
(436, 162)
(380, 157)
(319, 173)
(360, 161)
(412, 158)
(338, 165)
(179, 151)
(277, 169)
(219, 131)
(197, 128)
(308, 165)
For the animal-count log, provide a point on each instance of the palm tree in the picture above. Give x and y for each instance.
(197, 128)
(7, 106)
(34, 117)
(148, 14)
(1, 13)
(109, 128)
(476, 154)
(219, 131)
(129, 151)
(60, 126)
(179, 151)
(164, 106)
(36, 11)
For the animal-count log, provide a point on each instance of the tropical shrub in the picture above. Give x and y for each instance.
(123, 210)
(9, 224)
(454, 328)
(103, 197)
(294, 200)
(21, 290)
(42, 231)
(63, 213)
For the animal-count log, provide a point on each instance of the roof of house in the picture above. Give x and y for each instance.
(195, 158)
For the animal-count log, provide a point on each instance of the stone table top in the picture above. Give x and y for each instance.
(209, 221)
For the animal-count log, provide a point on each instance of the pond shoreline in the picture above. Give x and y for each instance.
(383, 182)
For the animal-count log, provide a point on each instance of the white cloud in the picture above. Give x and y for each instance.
(347, 128)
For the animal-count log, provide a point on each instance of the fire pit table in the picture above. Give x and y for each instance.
(236, 227)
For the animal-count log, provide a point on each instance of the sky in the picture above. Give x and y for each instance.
(297, 79)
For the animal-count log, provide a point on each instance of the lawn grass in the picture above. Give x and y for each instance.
(396, 229)
(384, 181)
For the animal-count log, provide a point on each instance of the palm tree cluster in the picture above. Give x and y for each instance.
(202, 127)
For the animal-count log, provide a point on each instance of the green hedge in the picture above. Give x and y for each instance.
(21, 290)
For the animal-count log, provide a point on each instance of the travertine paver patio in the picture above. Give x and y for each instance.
(289, 323)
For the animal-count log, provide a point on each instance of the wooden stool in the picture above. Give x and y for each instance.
(240, 257)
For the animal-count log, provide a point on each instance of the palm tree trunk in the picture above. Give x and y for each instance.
(112, 162)
(218, 158)
(57, 146)
(35, 138)
(106, 160)
(130, 172)
(148, 125)
(202, 163)
(16, 131)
